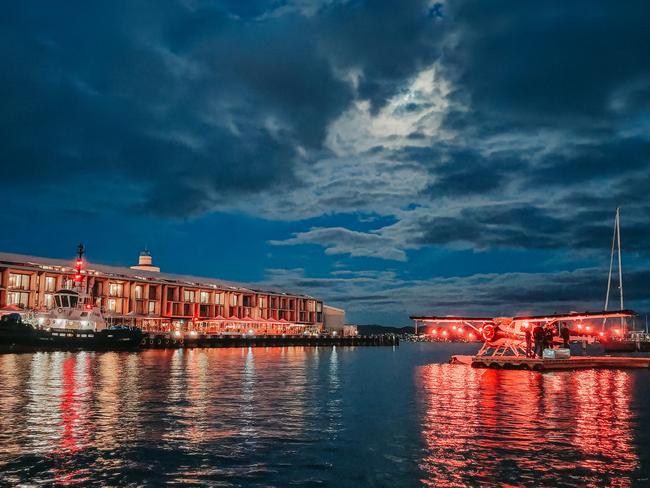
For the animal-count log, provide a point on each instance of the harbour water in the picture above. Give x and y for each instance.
(294, 416)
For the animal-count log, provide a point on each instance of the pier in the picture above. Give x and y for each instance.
(535, 364)
(154, 340)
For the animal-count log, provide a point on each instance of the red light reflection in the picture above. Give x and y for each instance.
(525, 428)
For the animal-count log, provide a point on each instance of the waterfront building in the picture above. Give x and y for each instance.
(142, 296)
(334, 322)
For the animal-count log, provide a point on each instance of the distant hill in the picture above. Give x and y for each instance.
(369, 329)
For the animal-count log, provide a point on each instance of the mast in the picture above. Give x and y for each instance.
(78, 277)
(620, 266)
(616, 245)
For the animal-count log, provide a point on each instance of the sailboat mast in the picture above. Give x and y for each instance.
(620, 265)
(611, 267)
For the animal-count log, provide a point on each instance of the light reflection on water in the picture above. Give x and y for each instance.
(314, 417)
(527, 428)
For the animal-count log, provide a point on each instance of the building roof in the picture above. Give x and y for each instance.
(120, 272)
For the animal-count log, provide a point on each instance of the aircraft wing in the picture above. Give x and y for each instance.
(449, 319)
(577, 316)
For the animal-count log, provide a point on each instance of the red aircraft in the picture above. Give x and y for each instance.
(507, 335)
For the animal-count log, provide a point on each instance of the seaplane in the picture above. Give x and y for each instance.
(506, 336)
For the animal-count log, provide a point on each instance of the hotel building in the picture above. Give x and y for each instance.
(141, 295)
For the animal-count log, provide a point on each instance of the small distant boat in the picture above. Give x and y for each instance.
(74, 323)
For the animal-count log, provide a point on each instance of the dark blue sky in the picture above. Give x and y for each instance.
(388, 157)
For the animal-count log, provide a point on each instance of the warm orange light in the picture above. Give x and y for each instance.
(471, 336)
(602, 334)
(454, 327)
(434, 331)
(444, 332)
(617, 331)
(579, 326)
(588, 328)
(460, 329)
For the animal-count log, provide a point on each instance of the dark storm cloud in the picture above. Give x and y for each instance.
(467, 172)
(190, 100)
(530, 227)
(593, 161)
(552, 62)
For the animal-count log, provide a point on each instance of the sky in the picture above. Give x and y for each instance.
(390, 158)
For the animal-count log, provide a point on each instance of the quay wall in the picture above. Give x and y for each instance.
(163, 341)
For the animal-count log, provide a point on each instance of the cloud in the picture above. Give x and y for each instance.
(338, 240)
(200, 103)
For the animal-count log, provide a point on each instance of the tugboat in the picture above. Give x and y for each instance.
(75, 323)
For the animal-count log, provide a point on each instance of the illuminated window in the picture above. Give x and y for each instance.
(152, 307)
(218, 298)
(20, 281)
(233, 300)
(48, 300)
(112, 305)
(205, 297)
(262, 302)
(115, 289)
(50, 283)
(139, 292)
(188, 295)
(18, 299)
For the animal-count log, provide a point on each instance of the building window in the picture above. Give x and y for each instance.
(261, 302)
(205, 297)
(19, 281)
(112, 305)
(115, 289)
(18, 299)
(218, 298)
(152, 292)
(139, 292)
(234, 299)
(49, 300)
(50, 283)
(152, 307)
(188, 295)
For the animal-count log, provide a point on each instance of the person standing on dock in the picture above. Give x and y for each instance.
(529, 340)
(538, 336)
(566, 335)
(548, 337)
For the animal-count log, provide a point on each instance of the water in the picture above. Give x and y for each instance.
(316, 417)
